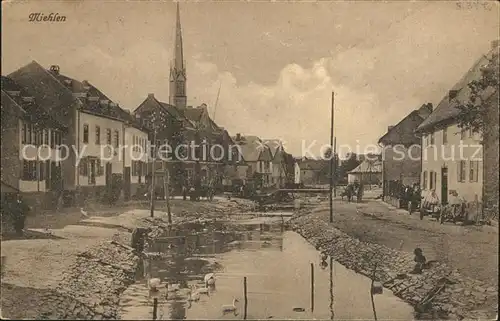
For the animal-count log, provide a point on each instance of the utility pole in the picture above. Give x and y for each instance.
(167, 192)
(335, 166)
(331, 158)
(153, 170)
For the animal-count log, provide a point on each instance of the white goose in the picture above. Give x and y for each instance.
(154, 283)
(202, 290)
(84, 213)
(209, 279)
(193, 297)
(230, 308)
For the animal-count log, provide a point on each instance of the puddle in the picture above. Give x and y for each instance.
(277, 267)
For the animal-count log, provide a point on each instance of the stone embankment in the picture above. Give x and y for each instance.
(439, 290)
(81, 270)
(91, 287)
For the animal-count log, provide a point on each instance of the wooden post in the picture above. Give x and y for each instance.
(245, 297)
(373, 302)
(312, 287)
(153, 172)
(332, 314)
(167, 193)
(331, 159)
(155, 308)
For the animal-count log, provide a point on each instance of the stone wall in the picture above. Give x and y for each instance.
(91, 288)
(459, 297)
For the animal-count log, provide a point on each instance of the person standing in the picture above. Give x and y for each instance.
(19, 212)
(360, 192)
(184, 191)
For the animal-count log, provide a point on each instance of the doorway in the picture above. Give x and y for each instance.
(444, 185)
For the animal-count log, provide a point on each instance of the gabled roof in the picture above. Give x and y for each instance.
(368, 167)
(251, 147)
(152, 103)
(274, 145)
(49, 93)
(447, 110)
(404, 131)
(29, 109)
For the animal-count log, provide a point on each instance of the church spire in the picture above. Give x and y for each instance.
(178, 55)
(177, 68)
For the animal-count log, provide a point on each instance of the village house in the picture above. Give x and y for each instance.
(258, 159)
(97, 159)
(311, 172)
(369, 172)
(31, 163)
(452, 157)
(181, 128)
(282, 165)
(401, 163)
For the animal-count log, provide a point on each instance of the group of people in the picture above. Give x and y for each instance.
(354, 189)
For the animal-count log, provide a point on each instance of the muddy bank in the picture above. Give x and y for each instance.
(457, 296)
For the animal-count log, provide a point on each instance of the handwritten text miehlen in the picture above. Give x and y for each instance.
(42, 17)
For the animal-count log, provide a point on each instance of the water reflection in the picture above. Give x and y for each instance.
(276, 265)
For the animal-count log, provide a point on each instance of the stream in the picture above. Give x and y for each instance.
(277, 265)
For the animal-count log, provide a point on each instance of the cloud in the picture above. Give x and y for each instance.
(295, 109)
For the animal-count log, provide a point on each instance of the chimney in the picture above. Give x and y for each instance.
(54, 69)
(151, 95)
(238, 136)
(86, 85)
(452, 94)
(389, 128)
(495, 44)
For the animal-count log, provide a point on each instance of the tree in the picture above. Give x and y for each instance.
(351, 162)
(474, 111)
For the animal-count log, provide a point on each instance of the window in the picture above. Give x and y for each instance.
(38, 135)
(432, 180)
(97, 135)
(24, 130)
(46, 136)
(461, 167)
(55, 139)
(84, 169)
(137, 168)
(462, 134)
(85, 134)
(93, 170)
(180, 88)
(424, 180)
(445, 136)
(469, 131)
(108, 136)
(117, 139)
(33, 170)
(431, 137)
(474, 171)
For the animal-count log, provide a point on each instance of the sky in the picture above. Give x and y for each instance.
(276, 63)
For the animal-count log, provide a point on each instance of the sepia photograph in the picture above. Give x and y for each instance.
(249, 160)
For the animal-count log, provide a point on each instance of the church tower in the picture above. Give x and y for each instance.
(178, 70)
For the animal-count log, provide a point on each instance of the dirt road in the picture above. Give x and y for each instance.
(473, 250)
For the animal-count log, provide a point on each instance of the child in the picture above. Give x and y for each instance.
(420, 260)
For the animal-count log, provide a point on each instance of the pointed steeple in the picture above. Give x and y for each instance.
(178, 55)
(177, 68)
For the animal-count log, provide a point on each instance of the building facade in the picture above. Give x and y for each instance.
(31, 161)
(452, 157)
(95, 165)
(401, 153)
